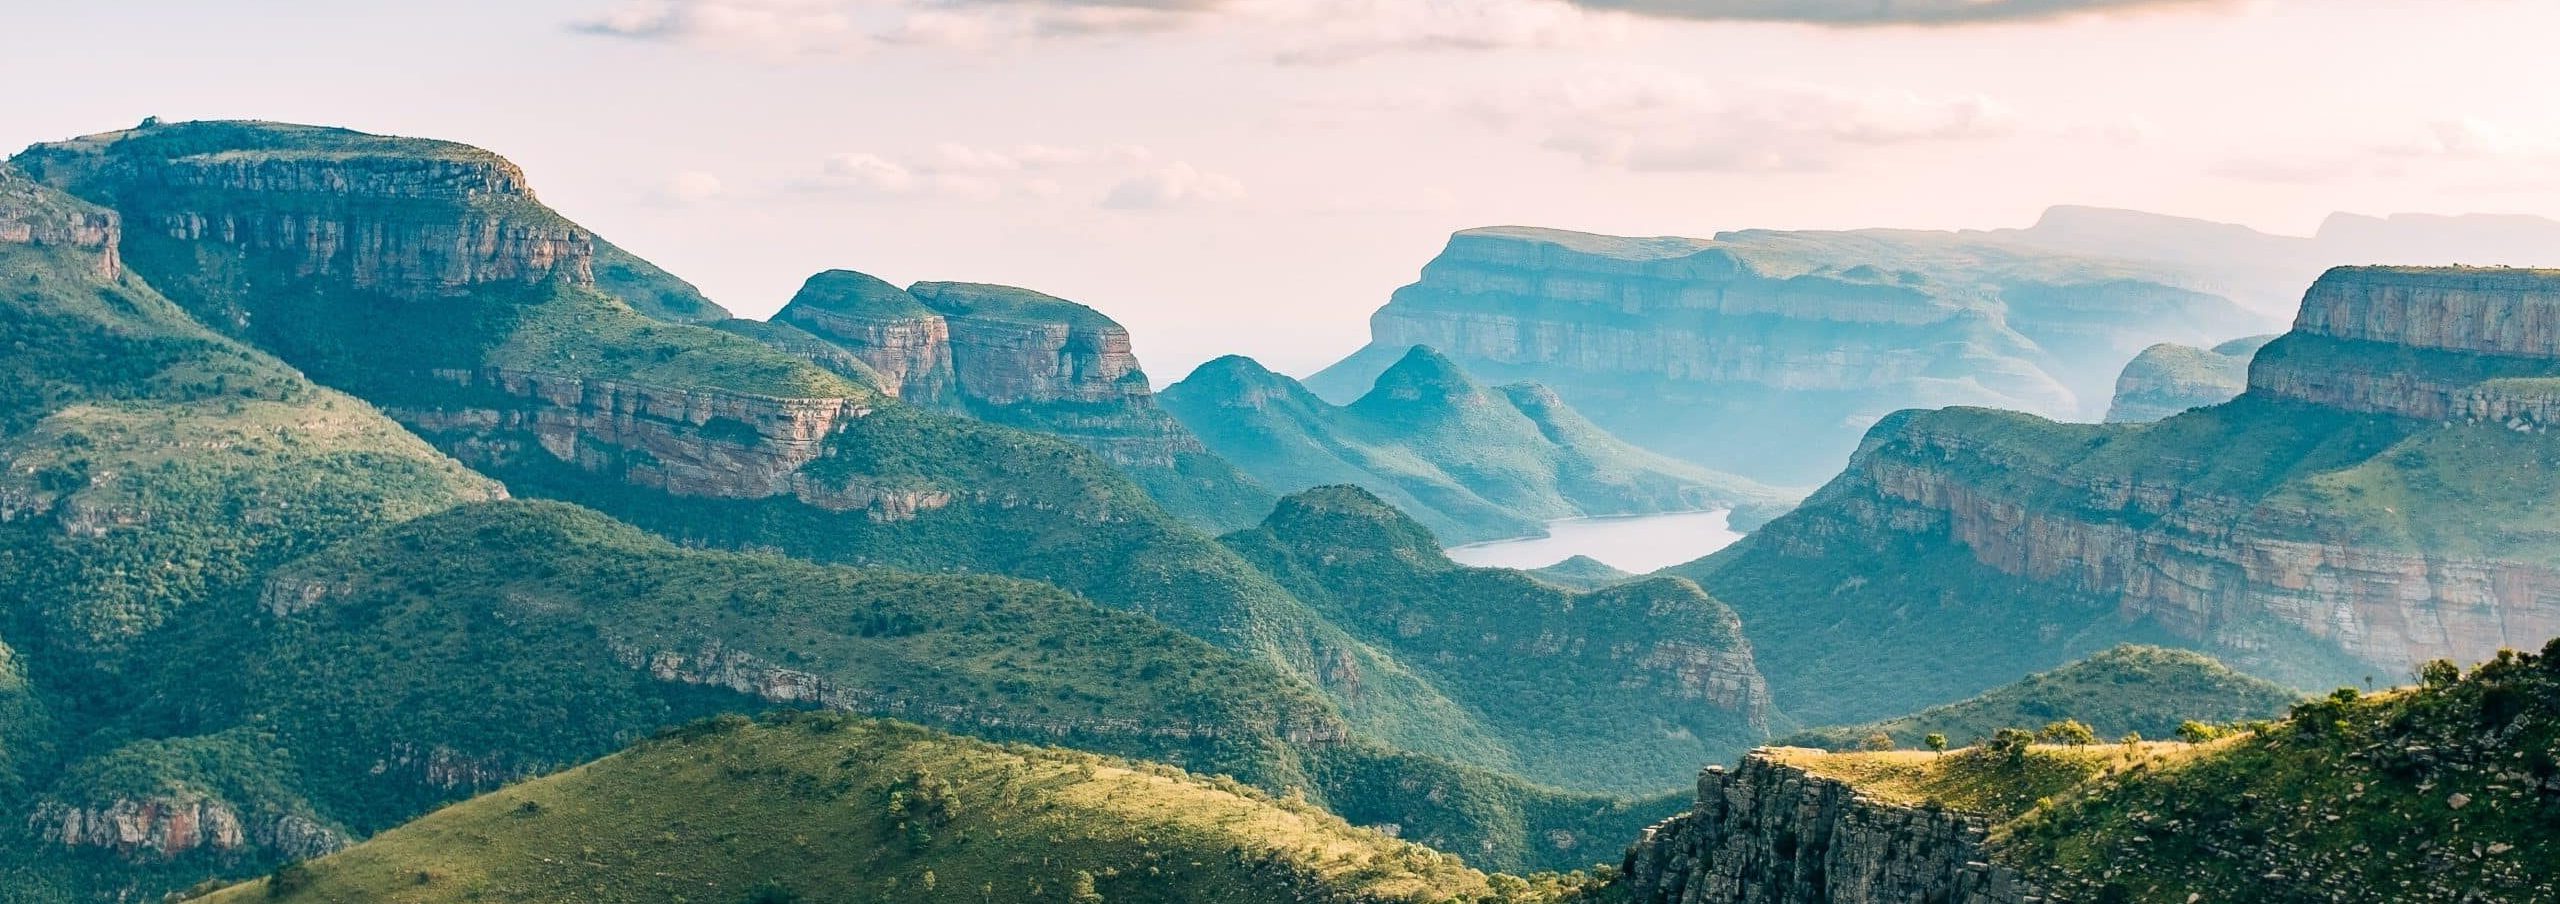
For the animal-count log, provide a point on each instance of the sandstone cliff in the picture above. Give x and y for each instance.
(2169, 378)
(1707, 349)
(2379, 492)
(1773, 833)
(1023, 359)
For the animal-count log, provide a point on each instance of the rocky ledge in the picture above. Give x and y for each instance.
(2442, 344)
(165, 827)
(1770, 833)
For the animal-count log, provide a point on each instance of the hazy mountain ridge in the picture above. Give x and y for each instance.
(1705, 349)
(1471, 462)
(2170, 378)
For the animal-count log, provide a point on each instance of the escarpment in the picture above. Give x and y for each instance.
(1810, 336)
(1773, 833)
(163, 828)
(2342, 517)
(1023, 359)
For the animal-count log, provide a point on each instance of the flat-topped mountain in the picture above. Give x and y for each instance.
(2379, 497)
(1023, 359)
(1469, 461)
(1766, 353)
(2169, 378)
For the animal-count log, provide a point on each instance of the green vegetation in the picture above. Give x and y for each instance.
(1582, 573)
(2442, 792)
(650, 290)
(1626, 689)
(2169, 378)
(823, 807)
(2146, 691)
(1469, 462)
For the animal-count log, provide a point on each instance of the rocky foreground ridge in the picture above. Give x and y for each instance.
(1809, 336)
(1773, 833)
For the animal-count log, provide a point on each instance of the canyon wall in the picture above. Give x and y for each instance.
(1709, 349)
(1770, 833)
(2379, 488)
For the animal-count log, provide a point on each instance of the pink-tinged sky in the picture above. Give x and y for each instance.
(1256, 176)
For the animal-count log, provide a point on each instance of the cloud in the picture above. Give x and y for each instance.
(2467, 149)
(1879, 12)
(1656, 120)
(954, 170)
(689, 187)
(762, 26)
(1336, 31)
(1177, 185)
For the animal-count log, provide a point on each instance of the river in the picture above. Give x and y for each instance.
(1637, 543)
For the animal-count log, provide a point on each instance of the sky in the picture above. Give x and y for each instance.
(1256, 176)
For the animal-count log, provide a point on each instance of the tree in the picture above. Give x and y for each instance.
(928, 880)
(1083, 892)
(2068, 731)
(2439, 673)
(2194, 732)
(1878, 741)
(771, 892)
(2009, 743)
(1937, 742)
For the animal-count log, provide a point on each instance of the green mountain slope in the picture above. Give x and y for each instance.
(2148, 691)
(1471, 463)
(1627, 688)
(1023, 359)
(2169, 378)
(829, 808)
(476, 319)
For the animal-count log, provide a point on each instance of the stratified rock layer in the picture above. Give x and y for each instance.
(1770, 833)
(1765, 353)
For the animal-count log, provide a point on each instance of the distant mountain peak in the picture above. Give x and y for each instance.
(1422, 375)
(856, 293)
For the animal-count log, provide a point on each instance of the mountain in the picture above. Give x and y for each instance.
(2148, 691)
(2378, 498)
(1582, 573)
(1023, 359)
(1470, 462)
(2437, 793)
(822, 807)
(2169, 378)
(1710, 349)
(1626, 688)
(425, 277)
(2266, 271)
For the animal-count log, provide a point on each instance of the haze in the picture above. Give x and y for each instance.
(1256, 176)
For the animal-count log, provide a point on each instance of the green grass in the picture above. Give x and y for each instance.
(828, 808)
(2356, 793)
(2125, 690)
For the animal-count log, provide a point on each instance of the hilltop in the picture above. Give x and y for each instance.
(1469, 461)
(817, 807)
(2146, 691)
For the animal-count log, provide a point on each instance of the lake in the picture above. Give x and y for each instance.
(1637, 543)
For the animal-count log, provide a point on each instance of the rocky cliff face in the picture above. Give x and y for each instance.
(1770, 833)
(1811, 336)
(2379, 490)
(33, 215)
(168, 827)
(1023, 359)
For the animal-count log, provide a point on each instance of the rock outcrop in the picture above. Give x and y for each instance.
(1771, 833)
(2379, 492)
(2169, 378)
(167, 827)
(1023, 359)
(1708, 348)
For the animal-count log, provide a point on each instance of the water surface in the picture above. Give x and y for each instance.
(1637, 543)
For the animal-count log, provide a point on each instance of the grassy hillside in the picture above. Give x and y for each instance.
(829, 808)
(1628, 688)
(1470, 462)
(2129, 689)
(2444, 792)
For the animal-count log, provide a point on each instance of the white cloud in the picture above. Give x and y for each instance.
(1658, 120)
(784, 27)
(955, 170)
(1882, 12)
(690, 187)
(1176, 185)
(1334, 31)
(2463, 150)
